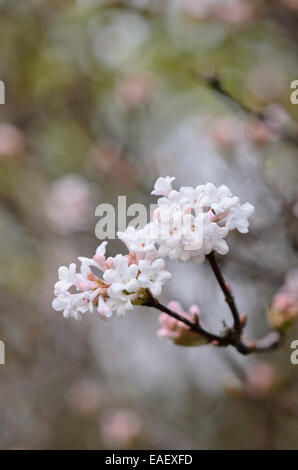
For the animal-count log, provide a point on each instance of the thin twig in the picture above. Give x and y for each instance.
(227, 292)
(232, 336)
(123, 5)
(192, 325)
(216, 85)
(269, 342)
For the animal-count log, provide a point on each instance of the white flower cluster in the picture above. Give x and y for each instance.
(123, 283)
(189, 223)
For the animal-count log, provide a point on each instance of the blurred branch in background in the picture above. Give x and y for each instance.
(271, 121)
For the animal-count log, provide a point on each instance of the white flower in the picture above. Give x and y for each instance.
(226, 209)
(192, 222)
(173, 250)
(175, 197)
(119, 302)
(98, 261)
(90, 289)
(163, 186)
(170, 220)
(123, 277)
(72, 305)
(188, 224)
(153, 275)
(199, 236)
(141, 241)
(192, 196)
(103, 308)
(67, 277)
(238, 218)
(214, 238)
(118, 291)
(124, 285)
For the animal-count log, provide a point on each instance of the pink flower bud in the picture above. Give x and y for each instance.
(156, 214)
(194, 310)
(132, 258)
(178, 331)
(110, 263)
(283, 311)
(262, 133)
(92, 277)
(175, 306)
(101, 261)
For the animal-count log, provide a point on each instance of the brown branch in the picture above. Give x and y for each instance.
(124, 5)
(269, 342)
(230, 338)
(192, 325)
(238, 325)
(215, 84)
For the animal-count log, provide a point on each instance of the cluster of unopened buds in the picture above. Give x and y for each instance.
(283, 312)
(191, 223)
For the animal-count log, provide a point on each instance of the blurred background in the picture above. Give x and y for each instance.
(102, 97)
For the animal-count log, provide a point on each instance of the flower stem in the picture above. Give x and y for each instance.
(238, 326)
(230, 338)
(193, 326)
